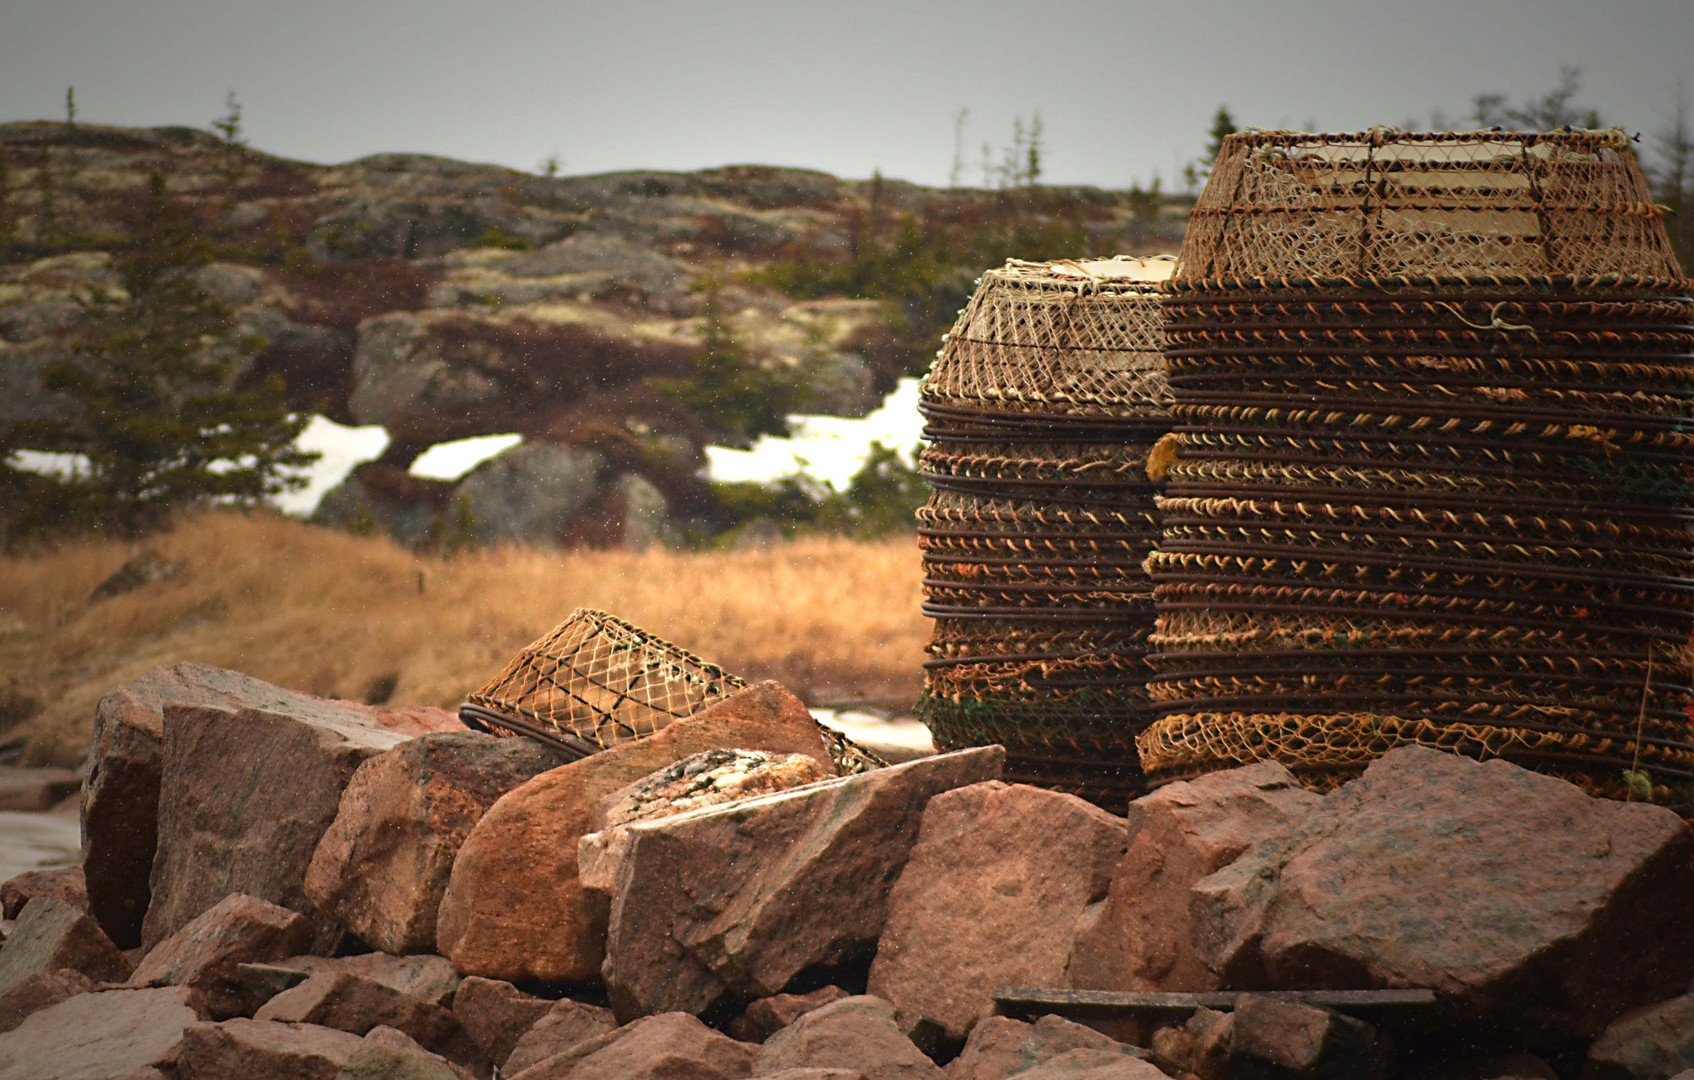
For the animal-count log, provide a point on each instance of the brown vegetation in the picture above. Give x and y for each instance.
(358, 617)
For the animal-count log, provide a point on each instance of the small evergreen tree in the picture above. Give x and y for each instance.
(151, 409)
(729, 392)
(233, 161)
(1223, 123)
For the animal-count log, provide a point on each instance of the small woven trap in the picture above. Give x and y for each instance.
(1435, 397)
(1041, 411)
(595, 681)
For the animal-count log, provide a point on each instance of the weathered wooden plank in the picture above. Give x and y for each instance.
(1022, 1002)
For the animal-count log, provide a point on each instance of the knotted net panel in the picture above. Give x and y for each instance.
(1384, 203)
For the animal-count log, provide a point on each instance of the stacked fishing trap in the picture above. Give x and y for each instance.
(1040, 413)
(596, 681)
(1433, 395)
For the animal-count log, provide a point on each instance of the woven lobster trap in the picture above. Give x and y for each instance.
(1041, 412)
(1075, 339)
(1387, 203)
(1433, 394)
(595, 681)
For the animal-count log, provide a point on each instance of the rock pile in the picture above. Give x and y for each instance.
(341, 892)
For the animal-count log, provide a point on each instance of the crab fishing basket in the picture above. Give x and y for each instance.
(595, 681)
(1041, 411)
(1434, 396)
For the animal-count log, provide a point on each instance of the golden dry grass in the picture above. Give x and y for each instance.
(334, 614)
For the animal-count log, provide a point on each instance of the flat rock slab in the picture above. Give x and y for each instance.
(709, 779)
(244, 799)
(51, 935)
(670, 1045)
(742, 897)
(37, 842)
(496, 1014)
(1001, 1047)
(207, 953)
(259, 1048)
(1141, 937)
(35, 790)
(382, 867)
(858, 1033)
(998, 879)
(1650, 1042)
(1515, 894)
(64, 883)
(388, 1054)
(29, 996)
(566, 1025)
(99, 1036)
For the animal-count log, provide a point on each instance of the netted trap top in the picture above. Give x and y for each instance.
(600, 681)
(595, 681)
(1388, 203)
(1075, 337)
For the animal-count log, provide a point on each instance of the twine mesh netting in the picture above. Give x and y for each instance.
(595, 681)
(1433, 395)
(1041, 411)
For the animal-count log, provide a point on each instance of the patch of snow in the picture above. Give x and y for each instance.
(37, 842)
(831, 449)
(43, 463)
(341, 449)
(872, 730)
(451, 460)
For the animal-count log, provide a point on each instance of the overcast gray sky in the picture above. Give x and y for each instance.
(1124, 89)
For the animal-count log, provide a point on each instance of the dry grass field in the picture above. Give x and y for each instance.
(336, 614)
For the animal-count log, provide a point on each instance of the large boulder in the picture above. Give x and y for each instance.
(408, 509)
(740, 898)
(532, 493)
(206, 954)
(382, 866)
(1140, 938)
(1650, 1043)
(1532, 906)
(856, 1033)
(121, 799)
(515, 908)
(990, 897)
(255, 1048)
(671, 1045)
(245, 796)
(100, 1036)
(50, 935)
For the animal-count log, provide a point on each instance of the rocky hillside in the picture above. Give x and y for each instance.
(442, 299)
